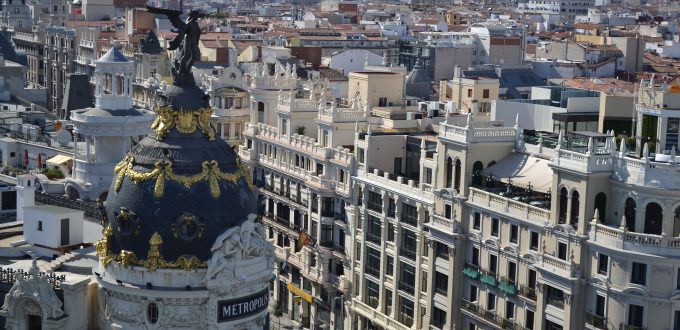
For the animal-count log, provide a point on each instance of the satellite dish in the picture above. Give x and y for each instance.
(64, 137)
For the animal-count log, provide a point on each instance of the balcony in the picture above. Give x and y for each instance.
(471, 271)
(407, 287)
(624, 326)
(373, 238)
(622, 239)
(508, 287)
(515, 208)
(489, 316)
(527, 292)
(489, 278)
(409, 219)
(596, 321)
(407, 252)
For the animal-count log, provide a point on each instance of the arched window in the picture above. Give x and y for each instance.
(653, 219)
(152, 313)
(456, 175)
(564, 198)
(477, 168)
(629, 212)
(574, 208)
(449, 172)
(601, 206)
(676, 222)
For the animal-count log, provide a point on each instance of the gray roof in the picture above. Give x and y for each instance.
(9, 52)
(113, 55)
(77, 94)
(418, 83)
(509, 79)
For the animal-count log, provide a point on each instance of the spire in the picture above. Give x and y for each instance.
(673, 152)
(623, 225)
(622, 148)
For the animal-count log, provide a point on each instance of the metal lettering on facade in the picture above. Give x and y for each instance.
(229, 310)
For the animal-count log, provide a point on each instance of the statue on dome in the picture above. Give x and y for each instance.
(188, 36)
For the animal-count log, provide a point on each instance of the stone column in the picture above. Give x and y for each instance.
(451, 292)
(87, 149)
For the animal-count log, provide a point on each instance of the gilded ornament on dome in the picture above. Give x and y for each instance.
(187, 227)
(103, 246)
(127, 222)
(163, 172)
(126, 258)
(185, 121)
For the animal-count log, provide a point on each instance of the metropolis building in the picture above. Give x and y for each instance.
(181, 245)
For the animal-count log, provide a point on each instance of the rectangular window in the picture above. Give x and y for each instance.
(441, 283)
(514, 233)
(491, 301)
(533, 245)
(555, 297)
(529, 321)
(477, 221)
(390, 232)
(475, 256)
(473, 293)
(372, 293)
(677, 281)
(639, 274)
(531, 280)
(494, 227)
(635, 315)
(438, 318)
(428, 175)
(375, 201)
(409, 214)
(407, 278)
(391, 207)
(469, 92)
(509, 310)
(493, 263)
(599, 305)
(388, 301)
(562, 250)
(512, 271)
(390, 266)
(602, 264)
(406, 312)
(382, 102)
(372, 262)
(40, 226)
(447, 211)
(485, 93)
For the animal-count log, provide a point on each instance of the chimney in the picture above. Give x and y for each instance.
(498, 70)
(456, 71)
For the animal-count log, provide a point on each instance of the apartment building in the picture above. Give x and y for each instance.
(297, 148)
(60, 56)
(566, 10)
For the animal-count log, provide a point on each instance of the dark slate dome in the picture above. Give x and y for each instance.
(178, 183)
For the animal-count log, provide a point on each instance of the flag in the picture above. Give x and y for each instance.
(304, 240)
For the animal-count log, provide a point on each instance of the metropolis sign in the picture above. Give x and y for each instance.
(234, 309)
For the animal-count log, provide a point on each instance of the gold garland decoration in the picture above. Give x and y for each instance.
(155, 259)
(163, 172)
(185, 121)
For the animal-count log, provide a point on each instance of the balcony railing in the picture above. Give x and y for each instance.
(527, 292)
(596, 321)
(507, 285)
(489, 278)
(407, 252)
(409, 219)
(624, 326)
(373, 238)
(471, 271)
(490, 316)
(406, 287)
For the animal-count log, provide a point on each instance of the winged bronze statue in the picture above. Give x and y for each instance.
(188, 36)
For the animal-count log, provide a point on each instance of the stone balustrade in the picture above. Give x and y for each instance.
(616, 237)
(519, 210)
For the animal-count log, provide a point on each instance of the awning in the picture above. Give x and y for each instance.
(304, 295)
(59, 159)
(523, 170)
